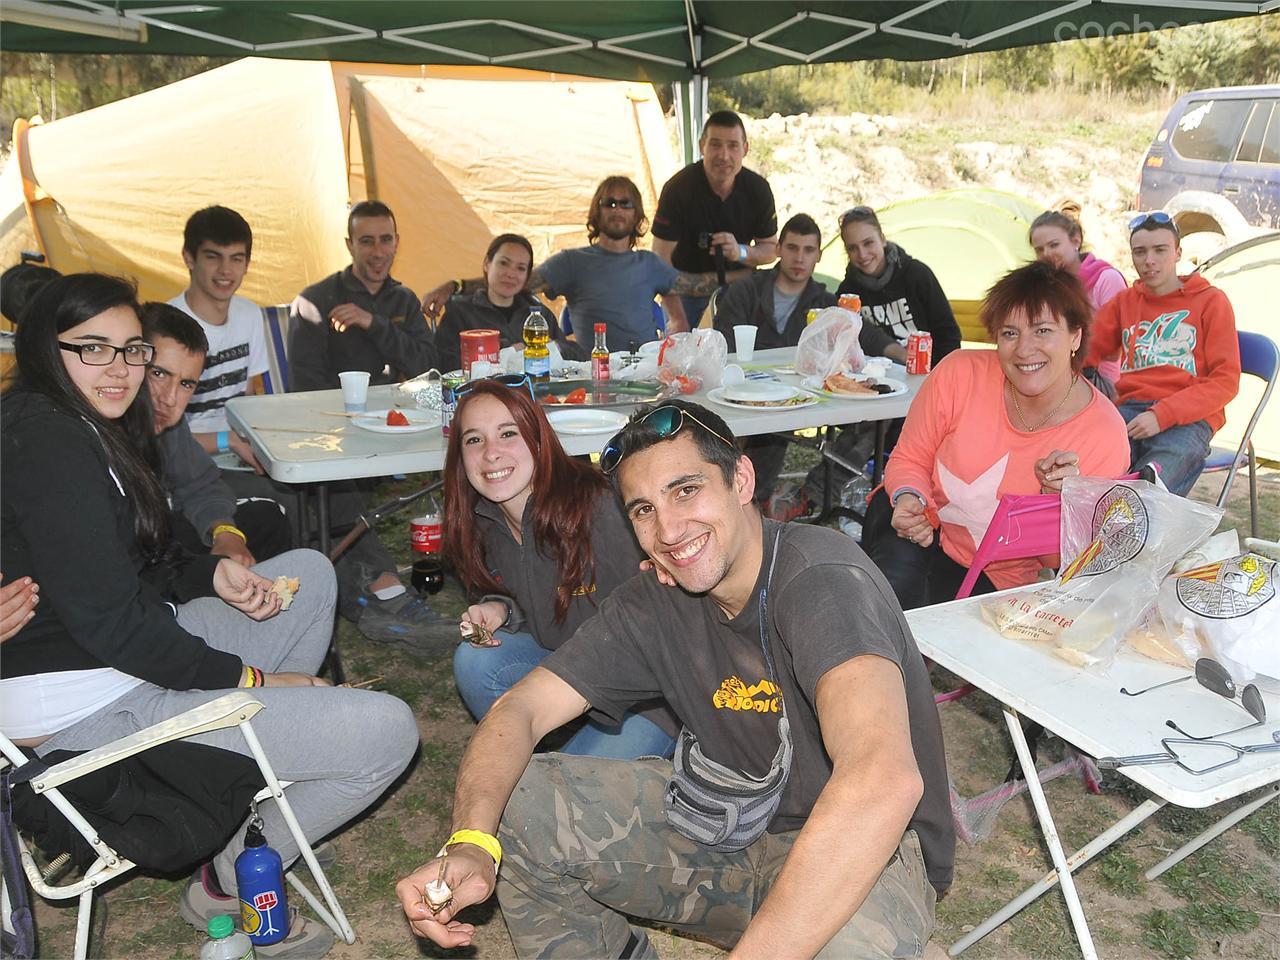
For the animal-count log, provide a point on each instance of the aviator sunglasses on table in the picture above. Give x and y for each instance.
(665, 421)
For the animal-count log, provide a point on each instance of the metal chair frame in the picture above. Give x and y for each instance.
(235, 709)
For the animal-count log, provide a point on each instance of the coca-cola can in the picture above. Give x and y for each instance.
(426, 533)
(919, 353)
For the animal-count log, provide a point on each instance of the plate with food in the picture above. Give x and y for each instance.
(397, 421)
(597, 393)
(791, 399)
(858, 386)
(585, 421)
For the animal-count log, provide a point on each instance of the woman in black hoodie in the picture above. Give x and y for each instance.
(898, 292)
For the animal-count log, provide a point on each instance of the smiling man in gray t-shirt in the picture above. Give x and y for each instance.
(861, 841)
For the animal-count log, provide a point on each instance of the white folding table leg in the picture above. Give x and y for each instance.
(1219, 828)
(83, 916)
(1050, 879)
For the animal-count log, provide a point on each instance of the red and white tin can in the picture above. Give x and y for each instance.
(426, 533)
(919, 353)
(478, 345)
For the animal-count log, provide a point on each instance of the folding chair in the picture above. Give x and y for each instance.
(233, 710)
(275, 327)
(1260, 358)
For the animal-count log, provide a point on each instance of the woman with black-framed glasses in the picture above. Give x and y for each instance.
(539, 540)
(130, 630)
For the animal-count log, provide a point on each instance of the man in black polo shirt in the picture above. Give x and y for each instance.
(360, 318)
(715, 204)
(846, 854)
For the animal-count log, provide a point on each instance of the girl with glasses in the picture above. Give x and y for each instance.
(502, 304)
(130, 630)
(539, 540)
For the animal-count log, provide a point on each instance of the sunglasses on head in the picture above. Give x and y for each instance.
(859, 213)
(513, 381)
(665, 422)
(624, 203)
(1157, 217)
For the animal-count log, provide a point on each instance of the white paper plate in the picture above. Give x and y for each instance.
(375, 421)
(899, 388)
(717, 396)
(758, 390)
(586, 421)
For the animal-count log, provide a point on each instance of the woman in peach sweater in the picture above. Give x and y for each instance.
(985, 423)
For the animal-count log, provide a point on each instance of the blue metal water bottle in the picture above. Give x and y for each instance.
(264, 910)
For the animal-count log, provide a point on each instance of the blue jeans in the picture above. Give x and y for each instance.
(483, 674)
(1180, 450)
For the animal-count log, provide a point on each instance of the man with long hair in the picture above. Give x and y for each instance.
(608, 281)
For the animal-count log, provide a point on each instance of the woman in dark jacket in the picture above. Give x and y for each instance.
(503, 305)
(539, 541)
(130, 631)
(898, 292)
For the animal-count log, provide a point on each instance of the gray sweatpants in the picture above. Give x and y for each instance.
(340, 747)
(586, 844)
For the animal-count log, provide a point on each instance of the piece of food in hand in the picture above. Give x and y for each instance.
(475, 634)
(396, 419)
(437, 894)
(577, 395)
(284, 588)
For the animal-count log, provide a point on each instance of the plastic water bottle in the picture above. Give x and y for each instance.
(225, 941)
(537, 358)
(264, 909)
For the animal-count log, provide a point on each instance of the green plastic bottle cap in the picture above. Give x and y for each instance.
(221, 926)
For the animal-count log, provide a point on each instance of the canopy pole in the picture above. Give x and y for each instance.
(691, 103)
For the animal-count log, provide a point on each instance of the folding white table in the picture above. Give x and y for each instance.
(1087, 710)
(298, 440)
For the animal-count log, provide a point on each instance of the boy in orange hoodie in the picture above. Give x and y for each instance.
(1179, 356)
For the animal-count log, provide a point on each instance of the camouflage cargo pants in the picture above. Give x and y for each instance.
(586, 844)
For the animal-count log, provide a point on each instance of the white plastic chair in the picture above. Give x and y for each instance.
(233, 710)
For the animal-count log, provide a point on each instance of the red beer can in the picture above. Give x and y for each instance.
(426, 533)
(478, 345)
(919, 353)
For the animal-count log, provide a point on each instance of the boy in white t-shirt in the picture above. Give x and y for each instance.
(216, 246)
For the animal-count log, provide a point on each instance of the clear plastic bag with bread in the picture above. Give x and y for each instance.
(1120, 538)
(829, 346)
(690, 361)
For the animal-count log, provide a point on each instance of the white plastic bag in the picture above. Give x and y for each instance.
(693, 360)
(829, 345)
(1230, 606)
(1119, 540)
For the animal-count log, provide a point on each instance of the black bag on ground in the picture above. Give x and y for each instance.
(167, 809)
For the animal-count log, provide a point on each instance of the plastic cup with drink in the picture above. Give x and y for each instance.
(355, 390)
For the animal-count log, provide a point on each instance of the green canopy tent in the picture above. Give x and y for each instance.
(679, 41)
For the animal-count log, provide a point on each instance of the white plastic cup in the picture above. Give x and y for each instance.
(744, 340)
(733, 374)
(355, 390)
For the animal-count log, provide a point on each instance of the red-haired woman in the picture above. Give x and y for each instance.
(538, 540)
(1017, 419)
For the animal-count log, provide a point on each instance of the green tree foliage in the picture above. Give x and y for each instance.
(1224, 53)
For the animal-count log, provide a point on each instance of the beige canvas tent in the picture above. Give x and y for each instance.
(459, 153)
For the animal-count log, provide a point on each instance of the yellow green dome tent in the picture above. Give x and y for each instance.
(969, 237)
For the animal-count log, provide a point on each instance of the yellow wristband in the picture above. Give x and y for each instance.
(228, 528)
(485, 841)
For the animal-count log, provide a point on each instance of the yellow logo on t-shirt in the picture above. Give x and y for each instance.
(734, 694)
